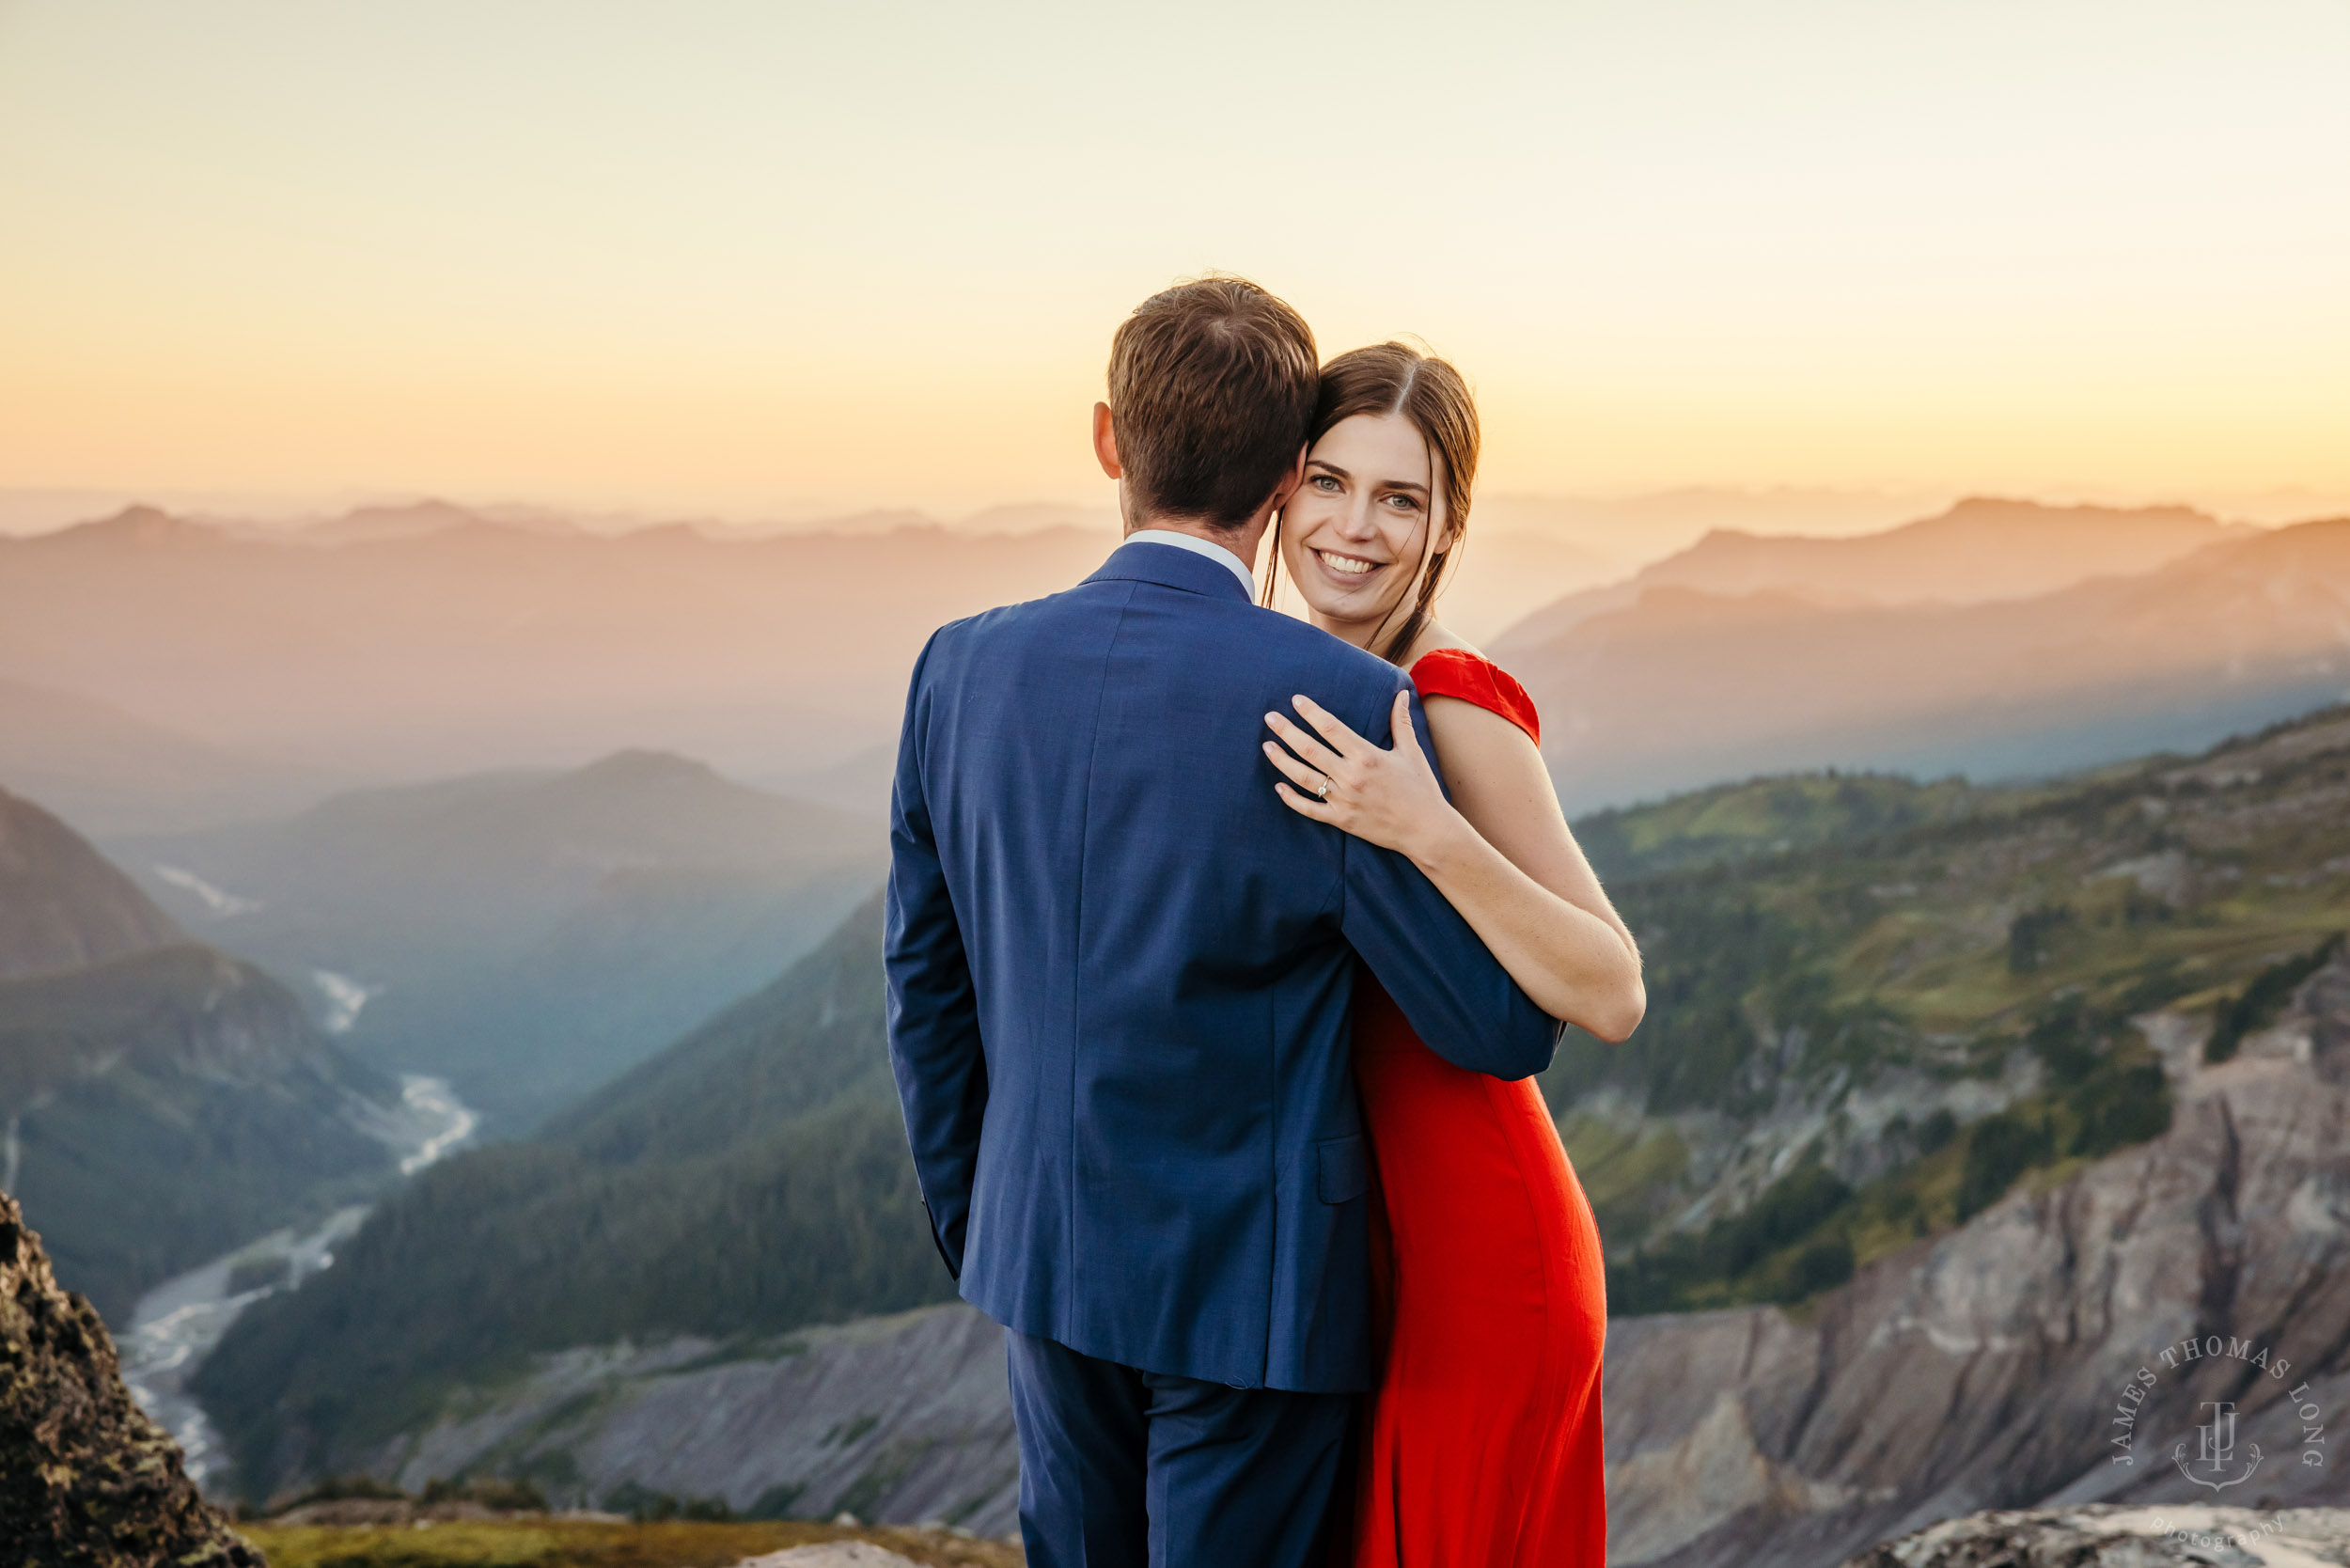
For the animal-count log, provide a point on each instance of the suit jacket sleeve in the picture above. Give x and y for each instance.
(1459, 998)
(934, 1047)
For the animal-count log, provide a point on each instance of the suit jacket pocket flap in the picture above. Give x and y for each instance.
(1345, 1171)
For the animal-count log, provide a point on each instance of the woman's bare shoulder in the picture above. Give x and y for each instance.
(1435, 636)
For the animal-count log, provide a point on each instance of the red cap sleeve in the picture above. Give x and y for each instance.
(1474, 677)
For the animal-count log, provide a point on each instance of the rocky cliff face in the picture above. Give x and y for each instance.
(2065, 1346)
(84, 1477)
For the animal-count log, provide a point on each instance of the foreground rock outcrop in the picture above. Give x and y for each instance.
(86, 1477)
(2102, 1537)
(845, 1554)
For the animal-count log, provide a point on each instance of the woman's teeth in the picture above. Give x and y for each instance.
(1347, 565)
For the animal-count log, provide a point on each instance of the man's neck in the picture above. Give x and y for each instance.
(1241, 542)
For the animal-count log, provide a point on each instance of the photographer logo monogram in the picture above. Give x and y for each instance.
(2213, 1457)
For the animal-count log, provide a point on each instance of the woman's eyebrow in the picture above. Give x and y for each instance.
(1412, 485)
(1328, 467)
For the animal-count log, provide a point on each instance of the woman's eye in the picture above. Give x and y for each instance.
(1403, 503)
(1325, 482)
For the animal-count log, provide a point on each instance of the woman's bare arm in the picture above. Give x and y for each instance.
(1521, 881)
(1500, 851)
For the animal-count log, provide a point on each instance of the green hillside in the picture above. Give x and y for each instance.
(162, 1107)
(1869, 1037)
(1764, 817)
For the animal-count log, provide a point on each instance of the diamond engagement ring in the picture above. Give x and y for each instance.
(1322, 790)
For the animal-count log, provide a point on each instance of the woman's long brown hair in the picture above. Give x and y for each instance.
(1394, 378)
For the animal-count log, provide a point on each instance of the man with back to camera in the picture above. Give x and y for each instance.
(1119, 973)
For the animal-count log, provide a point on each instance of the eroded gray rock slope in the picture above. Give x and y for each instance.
(895, 1420)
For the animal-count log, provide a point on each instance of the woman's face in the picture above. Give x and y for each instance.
(1355, 533)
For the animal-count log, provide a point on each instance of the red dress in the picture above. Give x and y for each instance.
(1481, 1443)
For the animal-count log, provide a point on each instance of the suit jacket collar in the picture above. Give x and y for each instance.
(1143, 562)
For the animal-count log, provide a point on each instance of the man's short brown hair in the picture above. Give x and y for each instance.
(1212, 388)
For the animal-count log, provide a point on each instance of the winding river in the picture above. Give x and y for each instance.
(175, 1325)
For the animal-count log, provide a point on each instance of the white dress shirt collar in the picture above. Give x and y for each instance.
(1199, 546)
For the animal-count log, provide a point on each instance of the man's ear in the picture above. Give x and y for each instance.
(1105, 442)
(1290, 481)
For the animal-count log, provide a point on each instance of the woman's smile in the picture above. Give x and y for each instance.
(1354, 571)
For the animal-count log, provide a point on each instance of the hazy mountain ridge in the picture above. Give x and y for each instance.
(115, 773)
(400, 642)
(163, 1101)
(62, 904)
(1982, 548)
(529, 933)
(1684, 686)
(476, 643)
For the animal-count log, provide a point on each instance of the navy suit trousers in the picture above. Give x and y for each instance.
(1126, 1468)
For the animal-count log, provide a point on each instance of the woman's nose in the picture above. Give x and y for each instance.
(1356, 523)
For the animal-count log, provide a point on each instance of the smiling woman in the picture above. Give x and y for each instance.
(1390, 428)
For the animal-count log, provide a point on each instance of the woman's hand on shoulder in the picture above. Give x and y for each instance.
(1387, 795)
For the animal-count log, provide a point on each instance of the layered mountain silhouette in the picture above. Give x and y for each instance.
(528, 933)
(1687, 684)
(430, 640)
(62, 904)
(116, 773)
(161, 1101)
(1982, 548)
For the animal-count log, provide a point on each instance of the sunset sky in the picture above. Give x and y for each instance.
(765, 258)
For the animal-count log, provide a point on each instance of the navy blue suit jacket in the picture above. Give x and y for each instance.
(1119, 972)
